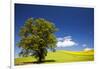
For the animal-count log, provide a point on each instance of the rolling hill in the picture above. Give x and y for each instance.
(60, 56)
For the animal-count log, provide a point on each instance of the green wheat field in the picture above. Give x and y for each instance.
(60, 56)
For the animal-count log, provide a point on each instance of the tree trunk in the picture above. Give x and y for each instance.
(41, 56)
(40, 59)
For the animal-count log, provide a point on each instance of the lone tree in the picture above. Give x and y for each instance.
(37, 36)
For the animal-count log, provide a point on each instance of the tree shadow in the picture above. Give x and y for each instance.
(35, 62)
(48, 61)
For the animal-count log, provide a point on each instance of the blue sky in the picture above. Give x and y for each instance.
(75, 24)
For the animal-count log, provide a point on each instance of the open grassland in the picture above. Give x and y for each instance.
(59, 56)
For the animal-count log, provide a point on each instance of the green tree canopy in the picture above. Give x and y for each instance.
(37, 36)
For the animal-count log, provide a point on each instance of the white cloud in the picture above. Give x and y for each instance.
(59, 39)
(66, 42)
(84, 45)
(88, 49)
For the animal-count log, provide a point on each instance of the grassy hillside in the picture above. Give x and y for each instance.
(60, 56)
